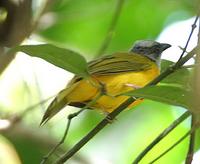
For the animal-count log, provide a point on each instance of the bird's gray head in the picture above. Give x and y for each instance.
(150, 49)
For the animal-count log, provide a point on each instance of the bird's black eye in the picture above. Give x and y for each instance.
(137, 48)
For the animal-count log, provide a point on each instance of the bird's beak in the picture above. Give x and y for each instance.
(165, 46)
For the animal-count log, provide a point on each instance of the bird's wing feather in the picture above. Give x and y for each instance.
(118, 63)
(59, 102)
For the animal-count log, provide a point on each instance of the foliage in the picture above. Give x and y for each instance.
(63, 58)
(81, 26)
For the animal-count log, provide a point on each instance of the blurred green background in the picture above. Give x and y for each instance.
(82, 26)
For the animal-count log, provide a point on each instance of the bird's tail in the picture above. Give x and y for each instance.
(56, 105)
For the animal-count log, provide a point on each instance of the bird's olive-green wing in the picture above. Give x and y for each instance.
(115, 64)
(119, 63)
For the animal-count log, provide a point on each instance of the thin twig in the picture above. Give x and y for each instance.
(110, 32)
(174, 145)
(161, 136)
(70, 117)
(18, 117)
(190, 153)
(121, 108)
(28, 109)
(188, 40)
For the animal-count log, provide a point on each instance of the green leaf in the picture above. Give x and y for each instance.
(165, 64)
(60, 57)
(167, 94)
(180, 77)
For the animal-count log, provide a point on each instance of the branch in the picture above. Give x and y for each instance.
(161, 136)
(110, 32)
(69, 121)
(121, 108)
(14, 29)
(193, 27)
(94, 131)
(175, 144)
(55, 147)
(190, 153)
(17, 26)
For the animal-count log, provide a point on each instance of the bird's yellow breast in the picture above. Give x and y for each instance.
(114, 85)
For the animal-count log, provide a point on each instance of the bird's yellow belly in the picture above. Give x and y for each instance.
(114, 85)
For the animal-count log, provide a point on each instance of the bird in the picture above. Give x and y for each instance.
(110, 77)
